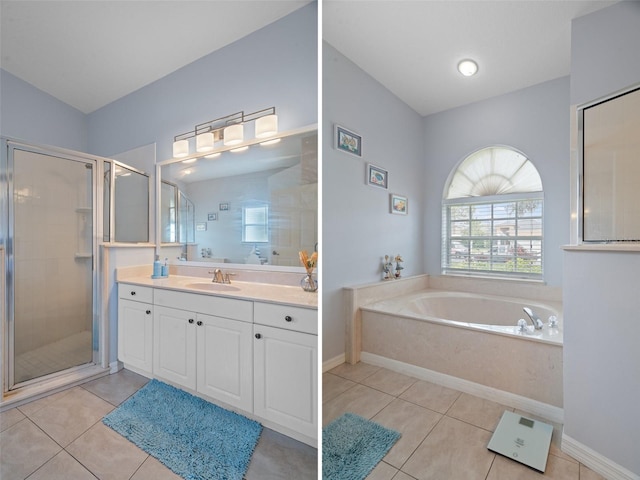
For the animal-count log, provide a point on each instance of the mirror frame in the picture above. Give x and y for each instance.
(236, 266)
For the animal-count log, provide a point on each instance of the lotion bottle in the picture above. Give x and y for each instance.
(165, 268)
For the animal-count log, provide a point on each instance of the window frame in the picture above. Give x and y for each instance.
(265, 224)
(448, 239)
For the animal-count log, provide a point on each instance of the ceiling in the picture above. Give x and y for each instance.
(90, 53)
(413, 47)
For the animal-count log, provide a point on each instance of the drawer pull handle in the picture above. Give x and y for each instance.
(191, 320)
(258, 336)
(199, 323)
(288, 318)
(133, 293)
(148, 312)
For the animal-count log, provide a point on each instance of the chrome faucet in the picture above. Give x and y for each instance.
(220, 277)
(535, 319)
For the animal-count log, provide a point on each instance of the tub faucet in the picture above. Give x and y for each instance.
(535, 319)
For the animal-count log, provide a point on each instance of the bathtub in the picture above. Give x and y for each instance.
(468, 336)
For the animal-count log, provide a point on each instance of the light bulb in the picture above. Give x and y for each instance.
(180, 148)
(266, 126)
(468, 67)
(234, 134)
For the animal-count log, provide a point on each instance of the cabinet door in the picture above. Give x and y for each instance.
(174, 346)
(285, 365)
(225, 363)
(135, 334)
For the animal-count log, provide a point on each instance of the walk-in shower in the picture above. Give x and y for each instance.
(59, 210)
(49, 235)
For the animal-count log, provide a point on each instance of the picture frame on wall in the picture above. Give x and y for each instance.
(398, 204)
(201, 227)
(224, 207)
(377, 177)
(347, 141)
(212, 217)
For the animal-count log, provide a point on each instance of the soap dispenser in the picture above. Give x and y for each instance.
(157, 267)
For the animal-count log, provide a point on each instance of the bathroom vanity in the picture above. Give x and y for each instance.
(250, 347)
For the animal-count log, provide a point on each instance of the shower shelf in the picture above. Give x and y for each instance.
(84, 255)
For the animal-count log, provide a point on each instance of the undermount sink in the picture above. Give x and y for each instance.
(213, 287)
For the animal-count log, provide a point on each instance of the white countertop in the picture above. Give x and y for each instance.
(262, 292)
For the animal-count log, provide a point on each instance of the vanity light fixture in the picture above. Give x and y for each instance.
(228, 129)
(468, 67)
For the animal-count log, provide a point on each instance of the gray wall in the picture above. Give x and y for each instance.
(358, 229)
(601, 302)
(33, 116)
(275, 66)
(535, 121)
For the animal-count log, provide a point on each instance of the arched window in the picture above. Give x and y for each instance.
(492, 216)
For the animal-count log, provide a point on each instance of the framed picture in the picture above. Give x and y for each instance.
(377, 176)
(212, 217)
(224, 207)
(398, 204)
(347, 141)
(201, 227)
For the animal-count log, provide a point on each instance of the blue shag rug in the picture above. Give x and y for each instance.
(352, 446)
(194, 438)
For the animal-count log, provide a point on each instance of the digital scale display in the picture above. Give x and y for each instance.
(527, 422)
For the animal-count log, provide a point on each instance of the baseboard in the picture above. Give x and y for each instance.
(333, 362)
(549, 412)
(596, 462)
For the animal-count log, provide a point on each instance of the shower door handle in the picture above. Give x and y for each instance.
(148, 312)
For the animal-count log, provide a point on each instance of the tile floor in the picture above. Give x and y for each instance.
(61, 437)
(444, 432)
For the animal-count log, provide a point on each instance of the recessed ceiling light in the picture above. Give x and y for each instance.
(468, 67)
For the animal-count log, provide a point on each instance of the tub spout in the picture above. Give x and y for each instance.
(535, 319)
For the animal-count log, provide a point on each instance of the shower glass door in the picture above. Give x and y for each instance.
(51, 215)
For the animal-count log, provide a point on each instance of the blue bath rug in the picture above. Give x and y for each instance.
(194, 438)
(352, 446)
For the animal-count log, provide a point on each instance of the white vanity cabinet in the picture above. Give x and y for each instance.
(285, 366)
(204, 343)
(250, 355)
(135, 327)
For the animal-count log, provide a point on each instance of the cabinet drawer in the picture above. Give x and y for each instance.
(208, 304)
(135, 292)
(283, 316)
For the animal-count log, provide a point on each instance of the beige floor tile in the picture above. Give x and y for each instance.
(32, 407)
(557, 469)
(278, 457)
(107, 454)
(23, 449)
(116, 388)
(412, 421)
(477, 411)
(62, 467)
(356, 373)
(152, 469)
(588, 474)
(431, 396)
(453, 450)
(333, 385)
(383, 471)
(402, 476)
(9, 418)
(389, 382)
(361, 400)
(70, 416)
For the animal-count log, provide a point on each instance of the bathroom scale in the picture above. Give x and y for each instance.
(522, 439)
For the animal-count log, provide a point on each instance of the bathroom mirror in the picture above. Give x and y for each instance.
(255, 207)
(610, 154)
(125, 204)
